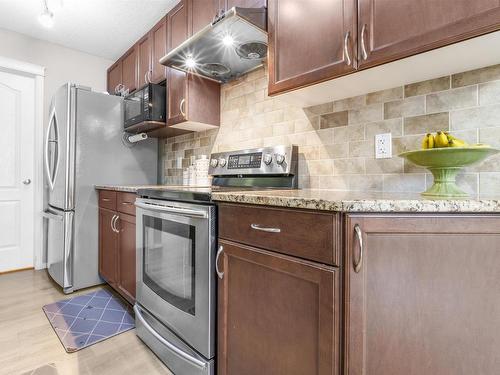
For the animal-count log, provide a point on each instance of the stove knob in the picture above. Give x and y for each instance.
(280, 158)
(268, 159)
(214, 163)
(222, 162)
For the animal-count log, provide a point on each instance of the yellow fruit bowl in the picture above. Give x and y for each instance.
(445, 163)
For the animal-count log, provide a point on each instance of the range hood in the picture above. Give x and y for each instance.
(232, 45)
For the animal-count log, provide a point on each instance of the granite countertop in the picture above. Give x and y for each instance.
(331, 200)
(126, 188)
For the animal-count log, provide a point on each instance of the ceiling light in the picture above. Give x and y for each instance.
(190, 62)
(228, 40)
(46, 18)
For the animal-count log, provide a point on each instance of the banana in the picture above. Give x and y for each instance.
(454, 141)
(441, 140)
(428, 141)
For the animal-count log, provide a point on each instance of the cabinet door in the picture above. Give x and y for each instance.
(126, 256)
(425, 298)
(202, 13)
(129, 69)
(159, 49)
(228, 4)
(309, 42)
(114, 77)
(144, 60)
(177, 25)
(392, 29)
(176, 96)
(107, 246)
(277, 314)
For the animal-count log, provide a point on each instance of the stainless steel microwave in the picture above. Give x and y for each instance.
(145, 108)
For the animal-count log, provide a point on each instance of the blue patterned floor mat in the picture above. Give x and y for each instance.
(86, 319)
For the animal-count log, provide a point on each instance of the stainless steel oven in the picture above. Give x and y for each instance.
(176, 285)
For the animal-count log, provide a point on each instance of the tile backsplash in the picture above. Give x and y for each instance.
(336, 139)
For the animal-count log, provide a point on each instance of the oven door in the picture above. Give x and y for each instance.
(175, 268)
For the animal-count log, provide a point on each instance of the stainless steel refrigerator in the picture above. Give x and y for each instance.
(83, 147)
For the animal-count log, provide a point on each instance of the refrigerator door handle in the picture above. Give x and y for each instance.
(51, 175)
(50, 216)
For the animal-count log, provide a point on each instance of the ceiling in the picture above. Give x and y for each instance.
(104, 28)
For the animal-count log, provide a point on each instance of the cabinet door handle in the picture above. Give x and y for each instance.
(219, 252)
(181, 104)
(113, 223)
(357, 264)
(150, 74)
(347, 57)
(263, 229)
(116, 221)
(364, 53)
(146, 77)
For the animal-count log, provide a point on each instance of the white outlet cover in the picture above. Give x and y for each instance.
(383, 146)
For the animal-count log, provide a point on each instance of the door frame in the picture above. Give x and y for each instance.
(37, 73)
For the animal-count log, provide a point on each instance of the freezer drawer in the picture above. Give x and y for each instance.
(59, 242)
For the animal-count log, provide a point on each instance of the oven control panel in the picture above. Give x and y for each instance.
(279, 160)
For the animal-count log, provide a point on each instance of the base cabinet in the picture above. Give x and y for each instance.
(422, 295)
(117, 247)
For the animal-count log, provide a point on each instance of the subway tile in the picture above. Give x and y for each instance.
(361, 149)
(489, 183)
(334, 151)
(401, 183)
(333, 120)
(319, 109)
(409, 167)
(404, 107)
(283, 128)
(356, 132)
(406, 143)
(427, 87)
(381, 166)
(324, 136)
(369, 183)
(426, 123)
(319, 167)
(490, 136)
(349, 103)
(369, 113)
(334, 182)
(307, 124)
(472, 77)
(393, 126)
(480, 117)
(310, 152)
(341, 135)
(491, 164)
(489, 93)
(384, 95)
(349, 166)
(463, 97)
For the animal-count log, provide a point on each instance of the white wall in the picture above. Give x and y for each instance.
(61, 64)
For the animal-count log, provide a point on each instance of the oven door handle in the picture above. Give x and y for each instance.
(169, 345)
(170, 209)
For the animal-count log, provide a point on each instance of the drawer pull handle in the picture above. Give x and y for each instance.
(263, 229)
(357, 264)
(127, 203)
(219, 252)
(105, 199)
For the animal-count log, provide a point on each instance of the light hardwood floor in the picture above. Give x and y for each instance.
(27, 341)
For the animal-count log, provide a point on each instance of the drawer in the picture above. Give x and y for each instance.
(306, 234)
(126, 203)
(107, 199)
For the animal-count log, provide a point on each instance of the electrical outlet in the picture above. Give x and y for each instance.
(383, 146)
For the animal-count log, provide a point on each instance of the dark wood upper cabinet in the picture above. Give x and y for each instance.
(424, 299)
(176, 96)
(277, 314)
(202, 13)
(310, 41)
(114, 77)
(108, 245)
(144, 60)
(178, 28)
(126, 256)
(392, 30)
(129, 69)
(228, 4)
(159, 49)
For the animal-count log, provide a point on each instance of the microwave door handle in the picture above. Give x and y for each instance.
(174, 210)
(169, 345)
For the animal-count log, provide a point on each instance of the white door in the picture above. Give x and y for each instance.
(17, 119)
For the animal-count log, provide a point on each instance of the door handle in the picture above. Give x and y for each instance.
(263, 229)
(219, 252)
(27, 181)
(357, 264)
(347, 56)
(181, 104)
(170, 209)
(364, 53)
(112, 223)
